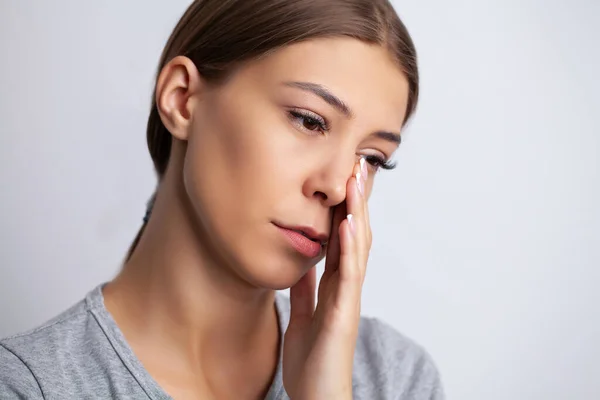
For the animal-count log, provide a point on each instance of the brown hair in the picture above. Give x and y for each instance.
(218, 35)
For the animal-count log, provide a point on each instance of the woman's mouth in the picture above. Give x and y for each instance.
(304, 240)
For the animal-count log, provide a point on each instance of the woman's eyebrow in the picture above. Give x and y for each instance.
(341, 106)
(325, 94)
(393, 137)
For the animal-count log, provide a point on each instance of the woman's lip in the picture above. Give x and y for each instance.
(307, 231)
(303, 245)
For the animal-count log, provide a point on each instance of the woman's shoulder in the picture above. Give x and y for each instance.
(26, 355)
(387, 364)
(395, 365)
(48, 336)
(56, 356)
(53, 334)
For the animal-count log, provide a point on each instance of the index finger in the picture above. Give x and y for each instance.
(333, 245)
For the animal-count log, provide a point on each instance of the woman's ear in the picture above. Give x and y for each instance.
(177, 89)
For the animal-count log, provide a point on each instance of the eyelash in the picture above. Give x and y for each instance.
(379, 162)
(313, 119)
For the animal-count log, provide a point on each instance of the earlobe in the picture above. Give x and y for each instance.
(177, 84)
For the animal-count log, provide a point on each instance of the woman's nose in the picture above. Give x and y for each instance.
(328, 183)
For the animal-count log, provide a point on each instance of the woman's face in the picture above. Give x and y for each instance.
(274, 146)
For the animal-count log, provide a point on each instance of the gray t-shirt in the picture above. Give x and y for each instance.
(82, 354)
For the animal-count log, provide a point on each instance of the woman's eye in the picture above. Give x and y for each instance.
(378, 162)
(310, 122)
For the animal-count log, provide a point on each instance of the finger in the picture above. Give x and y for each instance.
(333, 245)
(350, 275)
(364, 170)
(368, 224)
(302, 298)
(365, 174)
(355, 205)
(368, 236)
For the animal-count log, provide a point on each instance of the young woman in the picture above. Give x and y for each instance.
(269, 122)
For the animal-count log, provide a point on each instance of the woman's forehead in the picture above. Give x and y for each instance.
(363, 75)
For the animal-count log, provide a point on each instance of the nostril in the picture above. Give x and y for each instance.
(322, 195)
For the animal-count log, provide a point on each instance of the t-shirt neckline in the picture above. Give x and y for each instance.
(95, 304)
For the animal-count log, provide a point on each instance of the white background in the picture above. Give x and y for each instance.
(487, 237)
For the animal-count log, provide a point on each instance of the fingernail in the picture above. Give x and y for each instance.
(363, 168)
(360, 183)
(350, 219)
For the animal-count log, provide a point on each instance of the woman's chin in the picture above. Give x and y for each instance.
(276, 274)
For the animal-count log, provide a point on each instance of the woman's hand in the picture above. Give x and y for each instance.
(319, 343)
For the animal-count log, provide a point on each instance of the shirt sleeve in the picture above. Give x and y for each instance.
(426, 382)
(17, 382)
(433, 381)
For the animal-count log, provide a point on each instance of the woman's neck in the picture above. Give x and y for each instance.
(174, 294)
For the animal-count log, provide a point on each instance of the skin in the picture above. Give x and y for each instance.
(196, 299)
